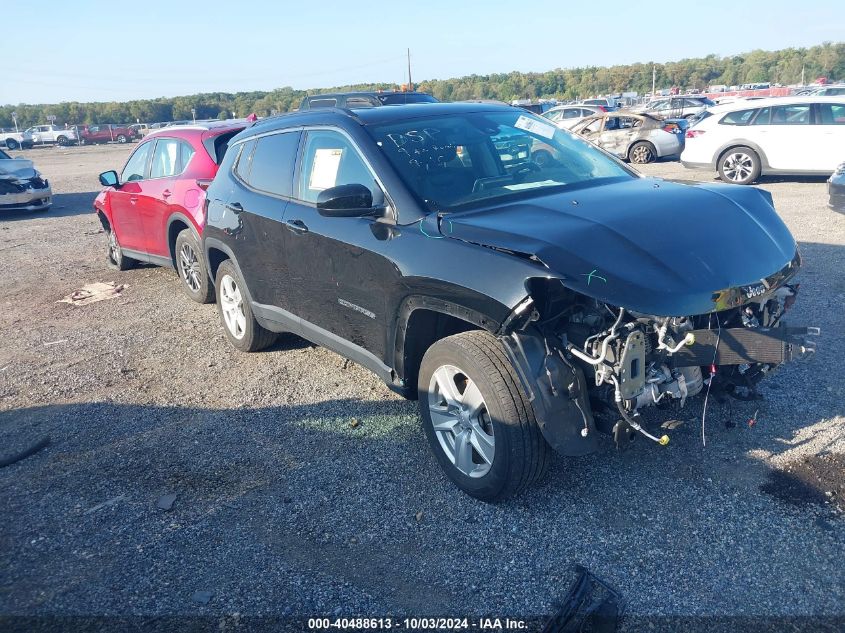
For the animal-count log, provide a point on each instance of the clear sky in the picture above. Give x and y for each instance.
(115, 51)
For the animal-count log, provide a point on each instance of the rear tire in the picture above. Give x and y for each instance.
(739, 166)
(115, 256)
(190, 264)
(479, 424)
(239, 324)
(12, 143)
(642, 153)
(63, 141)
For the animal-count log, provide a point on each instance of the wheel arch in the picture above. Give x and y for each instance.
(177, 223)
(424, 320)
(726, 147)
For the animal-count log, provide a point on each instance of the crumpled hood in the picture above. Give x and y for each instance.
(649, 245)
(17, 168)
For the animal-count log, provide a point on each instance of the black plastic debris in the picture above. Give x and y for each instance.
(590, 605)
(203, 597)
(165, 502)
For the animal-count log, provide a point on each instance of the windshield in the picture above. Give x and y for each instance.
(402, 98)
(454, 160)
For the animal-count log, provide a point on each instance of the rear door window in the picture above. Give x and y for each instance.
(272, 163)
(165, 158)
(798, 114)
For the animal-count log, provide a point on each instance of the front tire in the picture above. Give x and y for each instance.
(239, 324)
(479, 423)
(190, 264)
(115, 255)
(121, 138)
(739, 166)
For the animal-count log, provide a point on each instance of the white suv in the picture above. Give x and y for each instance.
(784, 135)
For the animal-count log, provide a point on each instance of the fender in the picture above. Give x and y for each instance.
(414, 302)
(764, 161)
(192, 224)
(557, 391)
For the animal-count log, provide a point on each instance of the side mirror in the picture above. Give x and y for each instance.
(109, 179)
(345, 201)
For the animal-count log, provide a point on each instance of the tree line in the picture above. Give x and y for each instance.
(783, 66)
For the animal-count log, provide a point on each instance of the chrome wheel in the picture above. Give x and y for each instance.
(232, 306)
(114, 248)
(738, 166)
(189, 267)
(461, 421)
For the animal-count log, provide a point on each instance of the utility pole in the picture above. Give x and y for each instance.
(653, 79)
(802, 75)
(410, 81)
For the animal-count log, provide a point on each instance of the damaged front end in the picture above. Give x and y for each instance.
(22, 188)
(589, 366)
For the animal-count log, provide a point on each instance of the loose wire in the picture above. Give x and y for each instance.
(712, 375)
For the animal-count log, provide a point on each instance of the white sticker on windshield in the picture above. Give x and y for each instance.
(532, 125)
(532, 185)
(324, 169)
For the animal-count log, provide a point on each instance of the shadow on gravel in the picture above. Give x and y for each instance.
(64, 205)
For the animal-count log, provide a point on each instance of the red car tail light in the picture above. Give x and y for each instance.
(694, 133)
(204, 183)
(602, 108)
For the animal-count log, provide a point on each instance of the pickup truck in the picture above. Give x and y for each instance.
(52, 134)
(91, 134)
(15, 140)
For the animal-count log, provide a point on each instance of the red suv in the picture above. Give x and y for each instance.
(93, 134)
(153, 211)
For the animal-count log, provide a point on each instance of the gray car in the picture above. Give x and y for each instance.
(639, 138)
(682, 107)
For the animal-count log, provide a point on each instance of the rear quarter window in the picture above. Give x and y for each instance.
(740, 117)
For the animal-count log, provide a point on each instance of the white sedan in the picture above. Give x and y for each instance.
(783, 135)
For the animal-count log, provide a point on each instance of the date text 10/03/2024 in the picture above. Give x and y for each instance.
(487, 625)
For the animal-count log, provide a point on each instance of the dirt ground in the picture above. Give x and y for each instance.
(285, 508)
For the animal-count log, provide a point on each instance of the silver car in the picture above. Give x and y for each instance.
(639, 138)
(566, 116)
(21, 186)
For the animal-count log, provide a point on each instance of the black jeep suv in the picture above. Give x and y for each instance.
(526, 306)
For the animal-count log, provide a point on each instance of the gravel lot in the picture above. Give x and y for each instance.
(284, 509)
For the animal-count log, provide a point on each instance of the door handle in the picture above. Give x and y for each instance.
(133, 199)
(235, 207)
(297, 226)
(165, 193)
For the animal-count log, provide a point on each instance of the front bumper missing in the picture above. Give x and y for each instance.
(29, 200)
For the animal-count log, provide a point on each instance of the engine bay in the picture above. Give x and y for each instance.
(631, 361)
